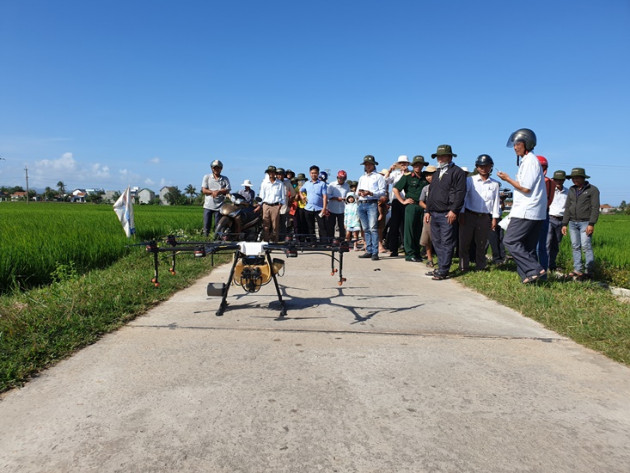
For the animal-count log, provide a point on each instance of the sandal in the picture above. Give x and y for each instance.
(576, 275)
(536, 277)
(439, 277)
(430, 264)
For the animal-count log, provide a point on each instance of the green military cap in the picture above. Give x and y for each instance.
(578, 172)
(271, 169)
(560, 175)
(369, 159)
(419, 160)
(443, 150)
(279, 170)
(301, 177)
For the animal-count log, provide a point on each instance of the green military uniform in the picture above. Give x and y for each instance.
(412, 186)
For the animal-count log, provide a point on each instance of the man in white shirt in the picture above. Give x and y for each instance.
(370, 188)
(336, 192)
(556, 212)
(480, 213)
(272, 195)
(529, 207)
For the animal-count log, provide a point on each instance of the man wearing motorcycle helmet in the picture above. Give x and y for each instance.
(336, 193)
(480, 213)
(529, 207)
(214, 187)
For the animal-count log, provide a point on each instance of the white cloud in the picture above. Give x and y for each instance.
(65, 164)
(99, 171)
(148, 182)
(155, 160)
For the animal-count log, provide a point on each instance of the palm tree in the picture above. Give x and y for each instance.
(191, 191)
(62, 188)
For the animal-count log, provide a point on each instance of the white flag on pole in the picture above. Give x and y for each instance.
(124, 209)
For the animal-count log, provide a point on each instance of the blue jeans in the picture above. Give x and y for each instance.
(580, 241)
(368, 214)
(207, 220)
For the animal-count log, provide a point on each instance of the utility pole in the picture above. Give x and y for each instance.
(26, 171)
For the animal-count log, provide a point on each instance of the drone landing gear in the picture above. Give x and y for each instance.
(223, 289)
(283, 311)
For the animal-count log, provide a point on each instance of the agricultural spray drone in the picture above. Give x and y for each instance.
(252, 263)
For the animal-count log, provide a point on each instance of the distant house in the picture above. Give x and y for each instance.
(145, 196)
(20, 195)
(78, 195)
(607, 209)
(163, 191)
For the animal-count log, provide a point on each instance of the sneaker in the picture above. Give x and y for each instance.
(366, 255)
(375, 257)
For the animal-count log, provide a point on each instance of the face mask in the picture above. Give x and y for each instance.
(443, 165)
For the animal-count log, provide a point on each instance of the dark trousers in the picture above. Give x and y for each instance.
(207, 220)
(301, 225)
(474, 229)
(520, 239)
(495, 239)
(396, 225)
(541, 247)
(332, 221)
(554, 237)
(312, 218)
(443, 238)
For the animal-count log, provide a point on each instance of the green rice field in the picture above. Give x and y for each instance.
(37, 238)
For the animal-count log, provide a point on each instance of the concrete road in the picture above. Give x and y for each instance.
(391, 372)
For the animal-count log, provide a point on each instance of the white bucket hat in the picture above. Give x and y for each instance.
(247, 183)
(403, 159)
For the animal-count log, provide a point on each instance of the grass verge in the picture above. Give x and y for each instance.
(586, 312)
(42, 326)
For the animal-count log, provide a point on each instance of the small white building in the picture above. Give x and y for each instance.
(145, 196)
(163, 191)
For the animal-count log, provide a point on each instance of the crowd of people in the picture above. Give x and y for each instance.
(430, 210)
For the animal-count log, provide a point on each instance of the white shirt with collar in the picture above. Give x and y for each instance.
(482, 196)
(559, 201)
(373, 182)
(531, 205)
(273, 192)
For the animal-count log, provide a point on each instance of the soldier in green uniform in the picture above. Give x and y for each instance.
(411, 185)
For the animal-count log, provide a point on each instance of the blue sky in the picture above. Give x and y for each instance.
(147, 93)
